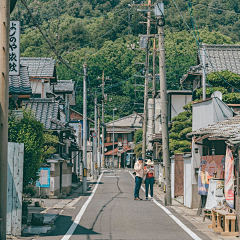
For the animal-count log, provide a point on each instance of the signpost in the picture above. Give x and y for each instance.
(14, 48)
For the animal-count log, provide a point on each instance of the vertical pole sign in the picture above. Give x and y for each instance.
(14, 48)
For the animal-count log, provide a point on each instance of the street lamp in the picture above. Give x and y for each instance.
(115, 109)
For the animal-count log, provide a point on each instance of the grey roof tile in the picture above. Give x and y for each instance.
(64, 86)
(20, 85)
(46, 111)
(222, 57)
(218, 58)
(39, 67)
(228, 129)
(132, 121)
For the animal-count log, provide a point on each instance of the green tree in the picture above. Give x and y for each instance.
(182, 125)
(37, 145)
(138, 136)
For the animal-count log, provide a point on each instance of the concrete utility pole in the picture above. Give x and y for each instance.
(98, 148)
(4, 96)
(164, 104)
(113, 137)
(84, 129)
(103, 130)
(95, 138)
(154, 86)
(145, 113)
(204, 73)
(67, 108)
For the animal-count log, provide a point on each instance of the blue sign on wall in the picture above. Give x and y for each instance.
(44, 177)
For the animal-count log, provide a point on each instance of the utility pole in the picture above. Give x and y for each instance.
(4, 98)
(103, 130)
(67, 107)
(154, 86)
(145, 113)
(84, 129)
(204, 73)
(95, 138)
(98, 149)
(164, 104)
(113, 138)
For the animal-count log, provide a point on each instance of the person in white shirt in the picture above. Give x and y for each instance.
(138, 167)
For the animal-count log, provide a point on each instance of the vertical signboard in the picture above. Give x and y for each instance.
(44, 177)
(14, 48)
(229, 178)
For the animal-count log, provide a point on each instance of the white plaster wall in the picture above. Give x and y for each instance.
(219, 108)
(202, 115)
(46, 88)
(37, 87)
(187, 182)
(177, 103)
(54, 183)
(172, 176)
(66, 180)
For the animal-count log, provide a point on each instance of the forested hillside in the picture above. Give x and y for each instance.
(101, 31)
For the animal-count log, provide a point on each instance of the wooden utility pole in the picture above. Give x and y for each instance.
(4, 98)
(103, 130)
(145, 113)
(84, 129)
(164, 110)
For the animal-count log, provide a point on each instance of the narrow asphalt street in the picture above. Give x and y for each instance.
(111, 213)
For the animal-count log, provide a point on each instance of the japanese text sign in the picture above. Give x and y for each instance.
(14, 48)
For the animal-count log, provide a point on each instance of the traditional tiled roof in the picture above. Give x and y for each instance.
(46, 111)
(228, 129)
(64, 86)
(39, 67)
(218, 58)
(221, 57)
(20, 85)
(132, 121)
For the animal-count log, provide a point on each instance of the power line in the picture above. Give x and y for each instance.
(198, 45)
(49, 43)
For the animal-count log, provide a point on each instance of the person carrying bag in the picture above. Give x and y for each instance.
(150, 173)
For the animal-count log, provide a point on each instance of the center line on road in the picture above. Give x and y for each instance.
(81, 212)
(174, 218)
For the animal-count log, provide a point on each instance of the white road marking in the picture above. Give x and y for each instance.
(81, 212)
(72, 203)
(174, 218)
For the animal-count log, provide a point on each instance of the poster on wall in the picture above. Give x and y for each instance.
(210, 166)
(215, 195)
(229, 178)
(44, 177)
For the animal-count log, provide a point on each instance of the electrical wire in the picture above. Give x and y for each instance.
(197, 41)
(48, 41)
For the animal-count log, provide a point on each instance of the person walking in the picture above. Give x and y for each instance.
(150, 173)
(138, 167)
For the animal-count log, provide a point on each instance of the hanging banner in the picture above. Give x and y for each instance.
(210, 166)
(229, 178)
(14, 48)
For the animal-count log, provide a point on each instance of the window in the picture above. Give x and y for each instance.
(130, 137)
(115, 137)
